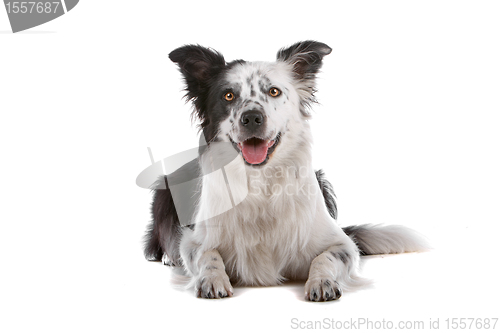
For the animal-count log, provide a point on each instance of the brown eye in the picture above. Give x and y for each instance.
(229, 96)
(274, 92)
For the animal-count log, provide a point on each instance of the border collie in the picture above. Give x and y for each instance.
(280, 224)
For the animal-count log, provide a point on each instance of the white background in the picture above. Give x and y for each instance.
(407, 131)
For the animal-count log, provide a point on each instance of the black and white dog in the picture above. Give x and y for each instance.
(282, 222)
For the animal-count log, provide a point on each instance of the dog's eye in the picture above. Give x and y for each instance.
(274, 92)
(229, 96)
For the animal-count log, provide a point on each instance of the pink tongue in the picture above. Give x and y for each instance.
(254, 150)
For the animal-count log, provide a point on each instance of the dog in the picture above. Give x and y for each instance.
(281, 224)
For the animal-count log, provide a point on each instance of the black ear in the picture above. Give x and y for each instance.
(197, 64)
(306, 57)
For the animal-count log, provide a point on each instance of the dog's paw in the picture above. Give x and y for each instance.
(166, 261)
(213, 285)
(318, 290)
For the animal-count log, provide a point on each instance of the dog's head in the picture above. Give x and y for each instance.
(253, 105)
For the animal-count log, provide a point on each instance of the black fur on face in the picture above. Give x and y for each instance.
(203, 70)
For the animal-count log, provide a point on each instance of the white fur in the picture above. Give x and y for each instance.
(282, 225)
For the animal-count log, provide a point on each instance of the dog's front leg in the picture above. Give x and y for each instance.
(329, 270)
(212, 280)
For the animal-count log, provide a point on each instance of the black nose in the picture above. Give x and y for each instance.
(252, 119)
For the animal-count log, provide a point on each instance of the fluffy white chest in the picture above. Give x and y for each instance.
(267, 235)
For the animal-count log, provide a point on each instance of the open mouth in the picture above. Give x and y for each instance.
(256, 151)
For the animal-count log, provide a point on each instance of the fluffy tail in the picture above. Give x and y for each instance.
(380, 239)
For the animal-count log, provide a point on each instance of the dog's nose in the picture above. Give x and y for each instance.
(252, 119)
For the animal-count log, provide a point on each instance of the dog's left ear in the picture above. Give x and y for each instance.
(306, 57)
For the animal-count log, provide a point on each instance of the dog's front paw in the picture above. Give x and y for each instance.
(166, 261)
(318, 290)
(214, 284)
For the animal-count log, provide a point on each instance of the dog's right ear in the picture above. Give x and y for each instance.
(197, 64)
